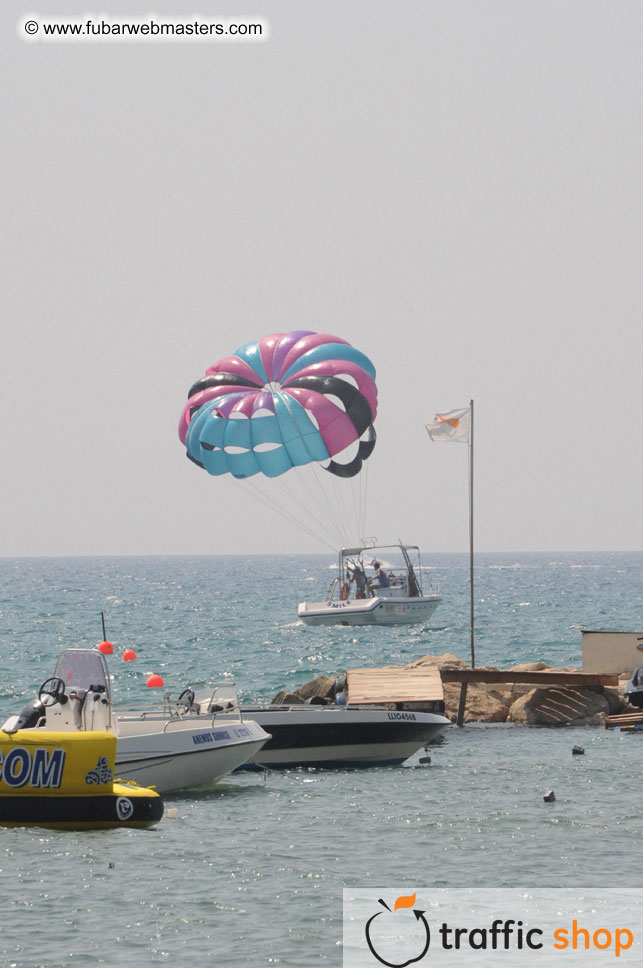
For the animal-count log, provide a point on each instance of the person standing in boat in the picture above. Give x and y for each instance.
(356, 574)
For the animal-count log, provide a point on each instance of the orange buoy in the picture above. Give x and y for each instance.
(105, 647)
(129, 655)
(155, 682)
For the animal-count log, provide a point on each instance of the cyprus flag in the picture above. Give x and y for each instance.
(453, 425)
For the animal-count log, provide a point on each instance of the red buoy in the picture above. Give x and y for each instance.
(105, 647)
(129, 655)
(155, 682)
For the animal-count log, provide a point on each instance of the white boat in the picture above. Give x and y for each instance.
(363, 593)
(171, 746)
(180, 747)
(332, 735)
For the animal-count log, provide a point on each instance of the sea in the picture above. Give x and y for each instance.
(252, 871)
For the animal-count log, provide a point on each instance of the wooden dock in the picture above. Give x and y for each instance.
(378, 686)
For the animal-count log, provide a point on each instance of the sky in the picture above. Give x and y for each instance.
(454, 188)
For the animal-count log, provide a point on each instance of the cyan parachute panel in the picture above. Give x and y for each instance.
(193, 433)
(264, 430)
(237, 432)
(273, 463)
(214, 461)
(211, 430)
(243, 465)
(301, 438)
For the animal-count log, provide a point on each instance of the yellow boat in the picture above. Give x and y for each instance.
(66, 780)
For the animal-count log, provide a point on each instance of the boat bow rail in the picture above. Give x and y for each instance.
(207, 700)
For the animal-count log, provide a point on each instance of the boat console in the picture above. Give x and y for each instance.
(76, 698)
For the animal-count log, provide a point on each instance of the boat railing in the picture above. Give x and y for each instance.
(207, 701)
(296, 707)
(204, 718)
(173, 717)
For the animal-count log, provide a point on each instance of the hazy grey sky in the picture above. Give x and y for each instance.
(454, 187)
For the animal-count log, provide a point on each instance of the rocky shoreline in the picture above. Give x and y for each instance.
(497, 702)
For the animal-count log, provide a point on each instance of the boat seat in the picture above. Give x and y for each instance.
(221, 706)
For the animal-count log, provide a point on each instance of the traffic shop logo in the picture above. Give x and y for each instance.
(378, 927)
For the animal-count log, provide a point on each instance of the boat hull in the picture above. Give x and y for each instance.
(332, 736)
(370, 611)
(176, 754)
(126, 806)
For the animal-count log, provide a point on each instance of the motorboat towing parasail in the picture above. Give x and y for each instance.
(367, 591)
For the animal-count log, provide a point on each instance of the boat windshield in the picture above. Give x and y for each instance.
(82, 668)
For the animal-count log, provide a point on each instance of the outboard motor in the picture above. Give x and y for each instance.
(28, 717)
(634, 689)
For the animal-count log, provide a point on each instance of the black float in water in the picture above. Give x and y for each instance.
(549, 796)
(577, 750)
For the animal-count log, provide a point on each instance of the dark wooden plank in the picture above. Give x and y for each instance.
(462, 704)
(543, 678)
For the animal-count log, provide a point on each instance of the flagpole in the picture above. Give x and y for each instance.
(448, 426)
(471, 608)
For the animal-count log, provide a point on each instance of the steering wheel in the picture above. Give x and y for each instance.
(187, 698)
(52, 691)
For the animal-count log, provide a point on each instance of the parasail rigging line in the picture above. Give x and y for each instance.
(330, 508)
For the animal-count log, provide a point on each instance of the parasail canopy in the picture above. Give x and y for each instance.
(284, 401)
